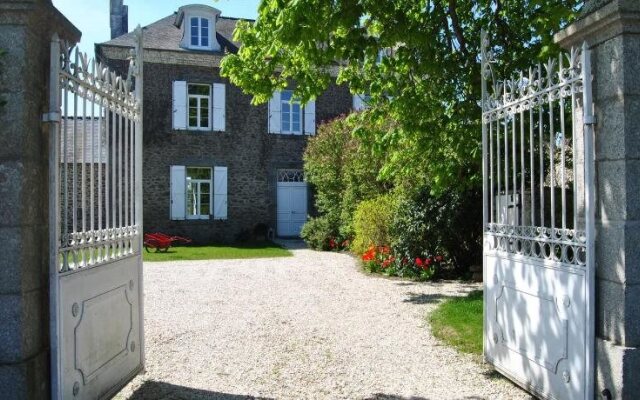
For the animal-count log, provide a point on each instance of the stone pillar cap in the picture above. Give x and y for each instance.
(612, 19)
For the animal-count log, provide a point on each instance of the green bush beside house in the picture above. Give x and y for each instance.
(426, 234)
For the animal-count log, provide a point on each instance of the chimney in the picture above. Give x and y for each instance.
(119, 18)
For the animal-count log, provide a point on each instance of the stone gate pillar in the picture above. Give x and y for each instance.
(26, 27)
(612, 30)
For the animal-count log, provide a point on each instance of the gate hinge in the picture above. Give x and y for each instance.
(590, 120)
(53, 116)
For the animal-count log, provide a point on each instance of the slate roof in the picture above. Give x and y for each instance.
(164, 35)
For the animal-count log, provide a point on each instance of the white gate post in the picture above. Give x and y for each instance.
(612, 28)
(53, 117)
(138, 190)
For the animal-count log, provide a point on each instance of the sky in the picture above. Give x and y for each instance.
(92, 16)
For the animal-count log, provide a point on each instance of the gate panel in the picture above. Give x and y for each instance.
(538, 225)
(95, 224)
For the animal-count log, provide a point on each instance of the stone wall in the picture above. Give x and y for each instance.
(250, 153)
(25, 33)
(611, 29)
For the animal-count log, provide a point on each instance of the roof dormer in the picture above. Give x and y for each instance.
(198, 24)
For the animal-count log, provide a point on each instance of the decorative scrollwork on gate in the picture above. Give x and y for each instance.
(544, 83)
(98, 137)
(533, 187)
(562, 245)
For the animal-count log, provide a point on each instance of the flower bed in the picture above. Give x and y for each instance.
(380, 259)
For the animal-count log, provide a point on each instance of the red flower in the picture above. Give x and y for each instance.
(370, 254)
(419, 262)
(427, 261)
(438, 258)
(388, 261)
(332, 243)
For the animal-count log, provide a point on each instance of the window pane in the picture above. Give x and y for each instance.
(285, 124)
(296, 109)
(295, 115)
(295, 126)
(193, 102)
(193, 117)
(202, 90)
(191, 198)
(204, 32)
(285, 95)
(205, 207)
(204, 113)
(205, 186)
(199, 173)
(194, 32)
(286, 107)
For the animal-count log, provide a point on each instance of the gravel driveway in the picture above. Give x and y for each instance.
(310, 326)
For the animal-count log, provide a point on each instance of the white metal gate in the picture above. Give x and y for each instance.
(538, 224)
(95, 213)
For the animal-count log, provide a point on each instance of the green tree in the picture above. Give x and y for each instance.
(428, 82)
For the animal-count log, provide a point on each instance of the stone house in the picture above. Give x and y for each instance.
(215, 166)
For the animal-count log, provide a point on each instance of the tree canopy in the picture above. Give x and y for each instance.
(427, 82)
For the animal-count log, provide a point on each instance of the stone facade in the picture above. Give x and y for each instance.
(611, 28)
(251, 154)
(26, 28)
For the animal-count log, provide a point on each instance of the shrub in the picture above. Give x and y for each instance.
(343, 172)
(371, 223)
(448, 225)
(317, 232)
(320, 234)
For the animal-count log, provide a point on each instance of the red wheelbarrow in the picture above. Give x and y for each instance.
(162, 242)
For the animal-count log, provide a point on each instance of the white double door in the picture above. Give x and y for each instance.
(291, 208)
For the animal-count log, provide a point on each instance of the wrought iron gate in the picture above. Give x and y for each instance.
(95, 213)
(538, 224)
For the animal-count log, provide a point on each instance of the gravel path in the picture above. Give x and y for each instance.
(310, 326)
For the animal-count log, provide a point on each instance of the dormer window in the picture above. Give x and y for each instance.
(198, 25)
(200, 32)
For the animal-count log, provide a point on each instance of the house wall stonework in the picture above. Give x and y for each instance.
(251, 154)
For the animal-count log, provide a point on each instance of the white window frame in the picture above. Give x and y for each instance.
(199, 98)
(290, 103)
(199, 46)
(197, 197)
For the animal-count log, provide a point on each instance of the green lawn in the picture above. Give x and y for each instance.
(458, 322)
(218, 252)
